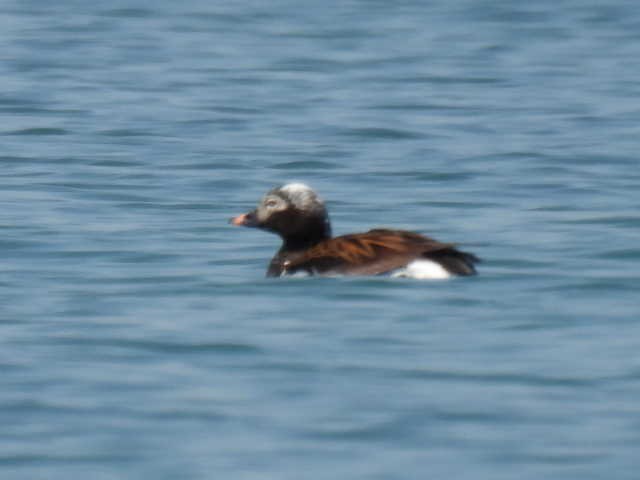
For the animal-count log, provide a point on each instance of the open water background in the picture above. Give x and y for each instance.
(138, 337)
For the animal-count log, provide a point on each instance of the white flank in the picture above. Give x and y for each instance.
(423, 270)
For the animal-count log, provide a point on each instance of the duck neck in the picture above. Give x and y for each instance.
(310, 237)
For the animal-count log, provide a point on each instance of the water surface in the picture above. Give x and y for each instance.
(139, 338)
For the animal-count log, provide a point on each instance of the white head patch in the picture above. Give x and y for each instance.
(301, 196)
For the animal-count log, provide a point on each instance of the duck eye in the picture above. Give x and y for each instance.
(270, 203)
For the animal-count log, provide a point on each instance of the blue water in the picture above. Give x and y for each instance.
(138, 335)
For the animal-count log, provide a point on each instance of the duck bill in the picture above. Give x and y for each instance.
(244, 220)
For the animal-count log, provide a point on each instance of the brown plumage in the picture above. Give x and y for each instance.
(296, 214)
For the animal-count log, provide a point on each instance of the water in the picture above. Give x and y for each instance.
(138, 336)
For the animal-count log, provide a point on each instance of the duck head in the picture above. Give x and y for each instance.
(292, 211)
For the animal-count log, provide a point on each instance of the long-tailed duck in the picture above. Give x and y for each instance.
(299, 216)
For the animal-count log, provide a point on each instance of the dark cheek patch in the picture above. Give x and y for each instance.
(284, 221)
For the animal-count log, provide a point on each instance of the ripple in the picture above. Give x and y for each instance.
(126, 132)
(597, 285)
(426, 107)
(39, 131)
(554, 458)
(626, 221)
(457, 205)
(501, 378)
(381, 133)
(446, 80)
(435, 176)
(304, 64)
(128, 13)
(620, 254)
(42, 111)
(19, 244)
(186, 348)
(59, 459)
(116, 163)
(365, 430)
(306, 165)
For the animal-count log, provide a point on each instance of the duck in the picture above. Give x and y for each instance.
(297, 214)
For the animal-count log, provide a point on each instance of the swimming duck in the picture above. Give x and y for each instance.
(297, 214)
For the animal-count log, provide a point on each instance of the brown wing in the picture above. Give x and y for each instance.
(371, 253)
